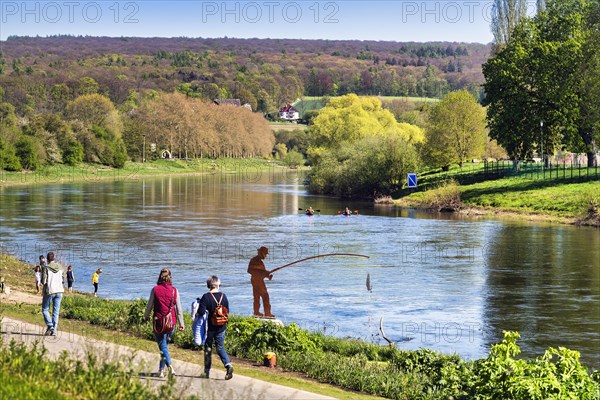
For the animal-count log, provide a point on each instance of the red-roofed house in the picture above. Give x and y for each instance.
(289, 113)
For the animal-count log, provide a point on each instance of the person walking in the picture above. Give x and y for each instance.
(164, 300)
(258, 272)
(96, 280)
(52, 290)
(37, 272)
(70, 278)
(216, 332)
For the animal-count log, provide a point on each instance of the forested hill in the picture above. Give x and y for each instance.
(266, 73)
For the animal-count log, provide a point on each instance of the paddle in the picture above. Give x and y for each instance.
(351, 212)
(322, 255)
(303, 209)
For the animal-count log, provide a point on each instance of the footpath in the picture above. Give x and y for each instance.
(188, 379)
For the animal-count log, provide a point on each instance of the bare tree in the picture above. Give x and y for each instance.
(506, 14)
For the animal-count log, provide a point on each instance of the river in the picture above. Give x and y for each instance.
(443, 282)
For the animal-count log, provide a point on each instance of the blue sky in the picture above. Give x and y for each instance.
(397, 20)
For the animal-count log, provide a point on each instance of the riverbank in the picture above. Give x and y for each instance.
(251, 380)
(515, 198)
(352, 364)
(252, 168)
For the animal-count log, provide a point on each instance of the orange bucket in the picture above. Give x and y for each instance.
(270, 359)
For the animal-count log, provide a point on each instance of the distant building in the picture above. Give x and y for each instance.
(289, 113)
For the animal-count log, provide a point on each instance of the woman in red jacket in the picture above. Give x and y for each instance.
(164, 299)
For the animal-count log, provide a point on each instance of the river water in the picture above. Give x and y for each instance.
(443, 282)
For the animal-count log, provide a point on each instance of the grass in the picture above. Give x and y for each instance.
(134, 170)
(566, 201)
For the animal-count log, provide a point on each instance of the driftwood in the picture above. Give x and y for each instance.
(390, 343)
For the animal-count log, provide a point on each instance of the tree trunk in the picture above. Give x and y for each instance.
(591, 158)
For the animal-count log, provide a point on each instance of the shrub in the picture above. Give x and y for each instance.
(293, 159)
(446, 197)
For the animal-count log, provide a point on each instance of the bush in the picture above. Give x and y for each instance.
(446, 197)
(27, 373)
(371, 167)
(293, 159)
(366, 367)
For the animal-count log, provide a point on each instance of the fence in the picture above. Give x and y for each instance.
(474, 173)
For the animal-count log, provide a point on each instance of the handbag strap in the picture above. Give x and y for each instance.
(172, 301)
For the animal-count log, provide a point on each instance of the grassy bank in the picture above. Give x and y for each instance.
(554, 200)
(352, 364)
(135, 170)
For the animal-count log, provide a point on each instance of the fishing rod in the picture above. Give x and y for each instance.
(322, 255)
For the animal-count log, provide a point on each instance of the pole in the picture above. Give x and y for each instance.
(322, 255)
(542, 144)
(144, 149)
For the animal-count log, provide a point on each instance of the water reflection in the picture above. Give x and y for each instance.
(439, 281)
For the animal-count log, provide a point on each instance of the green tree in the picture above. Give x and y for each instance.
(350, 118)
(72, 151)
(8, 159)
(95, 110)
(456, 130)
(25, 151)
(534, 78)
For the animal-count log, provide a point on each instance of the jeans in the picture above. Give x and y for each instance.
(219, 339)
(51, 322)
(163, 345)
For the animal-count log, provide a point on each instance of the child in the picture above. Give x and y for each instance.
(95, 279)
(38, 278)
(70, 278)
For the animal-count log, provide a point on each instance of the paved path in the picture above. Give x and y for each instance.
(188, 374)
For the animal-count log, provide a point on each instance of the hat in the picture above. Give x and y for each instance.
(263, 248)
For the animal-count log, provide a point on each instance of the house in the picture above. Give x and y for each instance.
(289, 113)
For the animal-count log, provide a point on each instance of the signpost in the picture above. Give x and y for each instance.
(412, 180)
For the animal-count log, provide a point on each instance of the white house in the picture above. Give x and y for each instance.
(289, 113)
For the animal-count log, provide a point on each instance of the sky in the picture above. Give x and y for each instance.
(391, 20)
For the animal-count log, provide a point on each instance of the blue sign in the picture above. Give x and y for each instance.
(412, 180)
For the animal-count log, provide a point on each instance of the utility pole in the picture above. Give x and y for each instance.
(144, 149)
(542, 144)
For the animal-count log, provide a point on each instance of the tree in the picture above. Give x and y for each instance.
(350, 118)
(456, 130)
(534, 78)
(506, 14)
(95, 110)
(25, 151)
(8, 159)
(589, 88)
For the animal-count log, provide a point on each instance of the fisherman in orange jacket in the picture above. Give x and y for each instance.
(258, 272)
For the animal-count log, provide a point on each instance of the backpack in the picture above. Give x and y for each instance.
(220, 316)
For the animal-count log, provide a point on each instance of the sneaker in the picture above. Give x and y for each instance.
(205, 375)
(49, 331)
(53, 332)
(171, 371)
(161, 373)
(229, 373)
